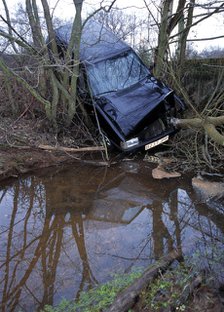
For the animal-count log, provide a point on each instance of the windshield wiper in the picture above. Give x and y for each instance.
(110, 91)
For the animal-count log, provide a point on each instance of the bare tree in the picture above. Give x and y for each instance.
(125, 26)
(57, 78)
(174, 26)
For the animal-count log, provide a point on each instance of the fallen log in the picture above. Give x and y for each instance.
(126, 299)
(72, 150)
(209, 125)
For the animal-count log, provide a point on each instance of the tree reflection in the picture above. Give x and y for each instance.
(7, 282)
(45, 249)
(160, 233)
(78, 233)
(34, 248)
(50, 255)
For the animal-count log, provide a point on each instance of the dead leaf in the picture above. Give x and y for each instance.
(161, 173)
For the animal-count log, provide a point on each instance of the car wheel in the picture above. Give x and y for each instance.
(106, 140)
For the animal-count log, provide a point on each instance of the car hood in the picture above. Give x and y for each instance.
(129, 107)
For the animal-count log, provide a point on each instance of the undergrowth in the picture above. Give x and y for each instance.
(98, 298)
(169, 290)
(176, 289)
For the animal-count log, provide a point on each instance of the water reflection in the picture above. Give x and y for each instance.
(67, 231)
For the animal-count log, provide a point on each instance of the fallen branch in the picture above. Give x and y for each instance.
(72, 150)
(209, 125)
(128, 297)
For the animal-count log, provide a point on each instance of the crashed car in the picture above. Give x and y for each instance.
(134, 109)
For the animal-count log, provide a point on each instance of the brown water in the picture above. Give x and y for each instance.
(66, 230)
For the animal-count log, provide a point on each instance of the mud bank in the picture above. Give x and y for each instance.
(17, 161)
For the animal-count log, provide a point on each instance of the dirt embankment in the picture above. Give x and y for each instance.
(20, 150)
(16, 161)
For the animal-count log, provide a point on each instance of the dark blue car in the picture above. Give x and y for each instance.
(133, 107)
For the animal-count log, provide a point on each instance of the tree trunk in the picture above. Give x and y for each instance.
(184, 31)
(161, 51)
(34, 22)
(75, 44)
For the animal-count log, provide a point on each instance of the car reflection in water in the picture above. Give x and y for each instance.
(67, 231)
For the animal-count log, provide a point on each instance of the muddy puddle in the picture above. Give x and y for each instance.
(65, 230)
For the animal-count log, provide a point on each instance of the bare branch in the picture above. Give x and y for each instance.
(104, 8)
(200, 20)
(152, 15)
(9, 25)
(22, 40)
(8, 72)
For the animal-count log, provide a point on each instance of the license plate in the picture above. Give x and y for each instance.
(155, 143)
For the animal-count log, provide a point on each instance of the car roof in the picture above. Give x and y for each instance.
(97, 41)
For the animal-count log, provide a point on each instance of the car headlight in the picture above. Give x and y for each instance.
(129, 143)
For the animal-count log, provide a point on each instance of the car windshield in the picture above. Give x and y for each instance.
(116, 73)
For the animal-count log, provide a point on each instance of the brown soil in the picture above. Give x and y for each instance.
(16, 161)
(19, 152)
